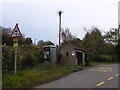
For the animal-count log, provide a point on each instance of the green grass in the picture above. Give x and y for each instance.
(40, 74)
(93, 63)
(36, 76)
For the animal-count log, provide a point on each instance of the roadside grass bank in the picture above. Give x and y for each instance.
(40, 74)
(36, 76)
(93, 63)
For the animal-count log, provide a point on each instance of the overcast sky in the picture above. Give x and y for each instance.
(38, 19)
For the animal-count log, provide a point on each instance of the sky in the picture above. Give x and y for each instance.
(38, 19)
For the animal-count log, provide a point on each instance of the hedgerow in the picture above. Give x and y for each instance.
(27, 57)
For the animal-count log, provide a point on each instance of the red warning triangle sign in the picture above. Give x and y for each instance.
(16, 32)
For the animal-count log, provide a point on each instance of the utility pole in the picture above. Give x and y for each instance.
(60, 12)
(118, 30)
(35, 41)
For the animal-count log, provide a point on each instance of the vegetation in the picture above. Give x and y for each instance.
(93, 64)
(7, 40)
(30, 66)
(98, 47)
(118, 50)
(38, 75)
(93, 41)
(42, 43)
(66, 35)
(28, 57)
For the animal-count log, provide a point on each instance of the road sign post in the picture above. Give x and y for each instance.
(16, 34)
(15, 59)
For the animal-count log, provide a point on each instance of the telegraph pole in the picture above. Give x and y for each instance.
(34, 41)
(118, 31)
(60, 12)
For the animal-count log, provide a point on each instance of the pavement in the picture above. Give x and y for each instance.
(101, 76)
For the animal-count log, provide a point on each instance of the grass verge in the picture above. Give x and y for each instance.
(35, 76)
(40, 74)
(93, 63)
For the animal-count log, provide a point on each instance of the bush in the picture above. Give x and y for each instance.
(59, 56)
(118, 50)
(27, 57)
(101, 58)
(7, 58)
(105, 58)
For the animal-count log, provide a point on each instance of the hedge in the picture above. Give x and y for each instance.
(101, 58)
(28, 56)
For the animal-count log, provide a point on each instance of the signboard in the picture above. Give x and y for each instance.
(15, 39)
(15, 44)
(15, 35)
(16, 32)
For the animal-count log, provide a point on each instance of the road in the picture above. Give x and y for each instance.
(101, 76)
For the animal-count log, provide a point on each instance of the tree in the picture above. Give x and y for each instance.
(93, 40)
(42, 43)
(111, 36)
(77, 42)
(21, 41)
(66, 35)
(49, 43)
(28, 41)
(6, 38)
(118, 50)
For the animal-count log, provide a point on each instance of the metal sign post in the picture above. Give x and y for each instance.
(15, 59)
(15, 46)
(15, 35)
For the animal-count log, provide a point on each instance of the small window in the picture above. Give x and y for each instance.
(67, 54)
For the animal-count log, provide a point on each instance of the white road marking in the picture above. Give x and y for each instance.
(92, 69)
(117, 75)
(100, 84)
(101, 69)
(110, 78)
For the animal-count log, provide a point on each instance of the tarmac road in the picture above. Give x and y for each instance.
(102, 76)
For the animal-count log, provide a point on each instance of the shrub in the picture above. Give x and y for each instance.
(118, 50)
(27, 57)
(59, 56)
(100, 58)
(7, 58)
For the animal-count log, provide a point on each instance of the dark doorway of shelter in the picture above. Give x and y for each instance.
(79, 58)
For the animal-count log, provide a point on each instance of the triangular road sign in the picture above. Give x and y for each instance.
(16, 32)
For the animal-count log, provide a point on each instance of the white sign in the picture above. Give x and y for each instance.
(16, 32)
(73, 53)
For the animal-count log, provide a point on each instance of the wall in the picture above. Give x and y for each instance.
(70, 60)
